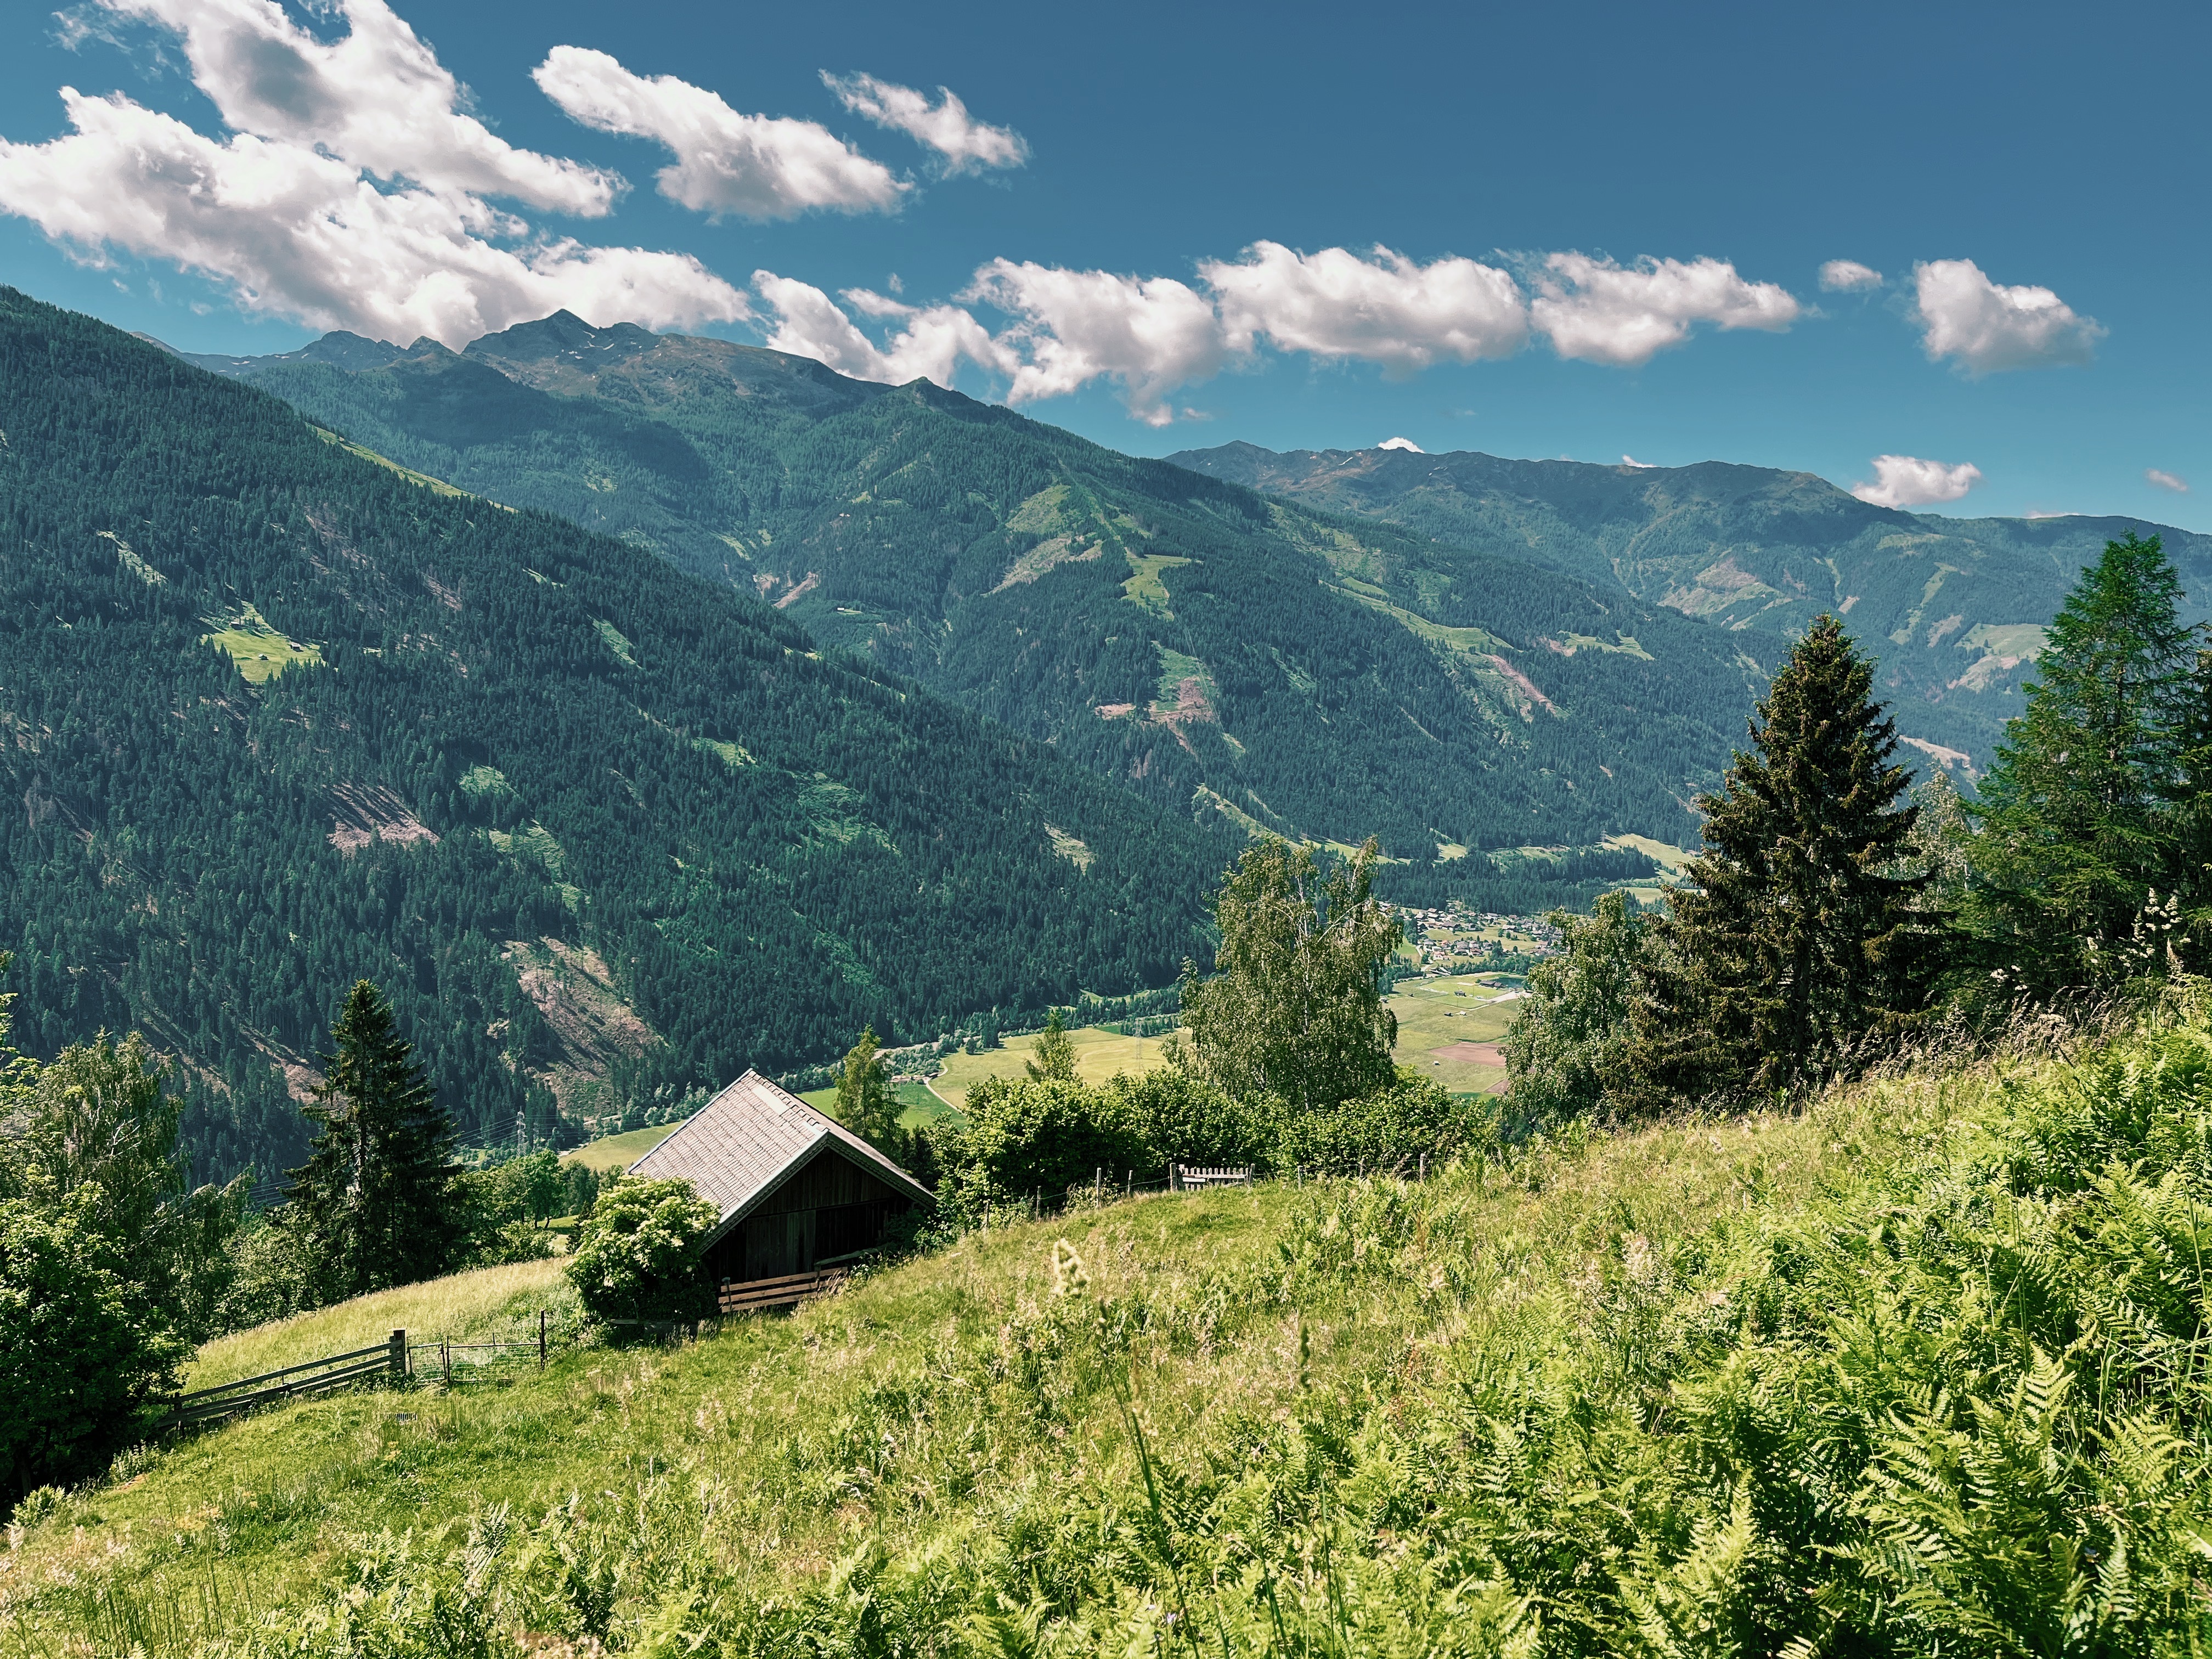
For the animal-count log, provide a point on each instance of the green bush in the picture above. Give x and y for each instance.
(81, 1356)
(1184, 1118)
(636, 1254)
(505, 1207)
(1389, 1131)
(1020, 1137)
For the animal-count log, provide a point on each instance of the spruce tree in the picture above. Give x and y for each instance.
(376, 1203)
(1798, 936)
(1294, 1008)
(2079, 819)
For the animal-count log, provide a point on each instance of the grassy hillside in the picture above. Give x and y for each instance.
(277, 717)
(490, 1304)
(1921, 1370)
(1248, 663)
(1952, 608)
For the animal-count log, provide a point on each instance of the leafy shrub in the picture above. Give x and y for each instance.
(270, 1278)
(636, 1254)
(1387, 1131)
(80, 1354)
(505, 1207)
(1185, 1118)
(1573, 1033)
(1022, 1136)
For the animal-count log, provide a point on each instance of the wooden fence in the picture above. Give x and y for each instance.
(393, 1360)
(205, 1406)
(759, 1295)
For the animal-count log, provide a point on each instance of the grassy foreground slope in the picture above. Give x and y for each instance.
(1920, 1371)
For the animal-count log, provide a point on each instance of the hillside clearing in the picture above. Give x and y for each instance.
(490, 1304)
(952, 1430)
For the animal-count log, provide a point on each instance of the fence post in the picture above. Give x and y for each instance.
(395, 1352)
(446, 1359)
(1424, 1176)
(541, 1339)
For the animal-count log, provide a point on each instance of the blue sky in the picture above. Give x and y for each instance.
(1160, 226)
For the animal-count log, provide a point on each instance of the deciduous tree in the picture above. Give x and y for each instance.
(1294, 1008)
(1055, 1051)
(1567, 1047)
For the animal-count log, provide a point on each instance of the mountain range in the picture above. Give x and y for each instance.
(1953, 607)
(638, 707)
(276, 714)
(1225, 654)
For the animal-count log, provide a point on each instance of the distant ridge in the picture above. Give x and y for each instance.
(1953, 607)
(1237, 660)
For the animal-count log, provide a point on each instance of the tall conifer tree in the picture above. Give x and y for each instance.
(376, 1201)
(1798, 936)
(2078, 815)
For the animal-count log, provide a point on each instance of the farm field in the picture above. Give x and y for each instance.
(619, 1151)
(1098, 1056)
(917, 1106)
(1448, 1029)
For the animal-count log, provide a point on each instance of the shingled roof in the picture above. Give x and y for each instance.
(751, 1138)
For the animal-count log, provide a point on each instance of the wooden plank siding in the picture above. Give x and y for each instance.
(830, 1207)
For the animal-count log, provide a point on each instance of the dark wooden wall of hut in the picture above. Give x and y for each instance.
(832, 1207)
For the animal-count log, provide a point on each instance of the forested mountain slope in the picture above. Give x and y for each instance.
(1223, 655)
(274, 716)
(1954, 608)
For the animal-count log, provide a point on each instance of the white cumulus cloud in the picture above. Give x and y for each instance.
(1908, 480)
(300, 233)
(1623, 315)
(1385, 310)
(964, 144)
(1987, 327)
(931, 346)
(759, 166)
(1849, 276)
(376, 97)
(2165, 480)
(1149, 335)
(1405, 444)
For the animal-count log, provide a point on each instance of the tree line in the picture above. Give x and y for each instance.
(1835, 914)
(113, 1267)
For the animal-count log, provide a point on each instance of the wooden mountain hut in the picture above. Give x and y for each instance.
(800, 1193)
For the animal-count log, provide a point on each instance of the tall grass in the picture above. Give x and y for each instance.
(490, 1305)
(1919, 1370)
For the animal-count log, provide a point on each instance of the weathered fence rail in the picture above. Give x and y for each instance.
(227, 1400)
(759, 1295)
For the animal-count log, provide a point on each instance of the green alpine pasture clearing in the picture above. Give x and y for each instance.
(1145, 588)
(613, 1152)
(261, 653)
(1686, 1389)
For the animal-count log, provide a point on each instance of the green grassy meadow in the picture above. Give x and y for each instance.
(1436, 1016)
(490, 1304)
(613, 1152)
(1098, 1056)
(1552, 1402)
(259, 651)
